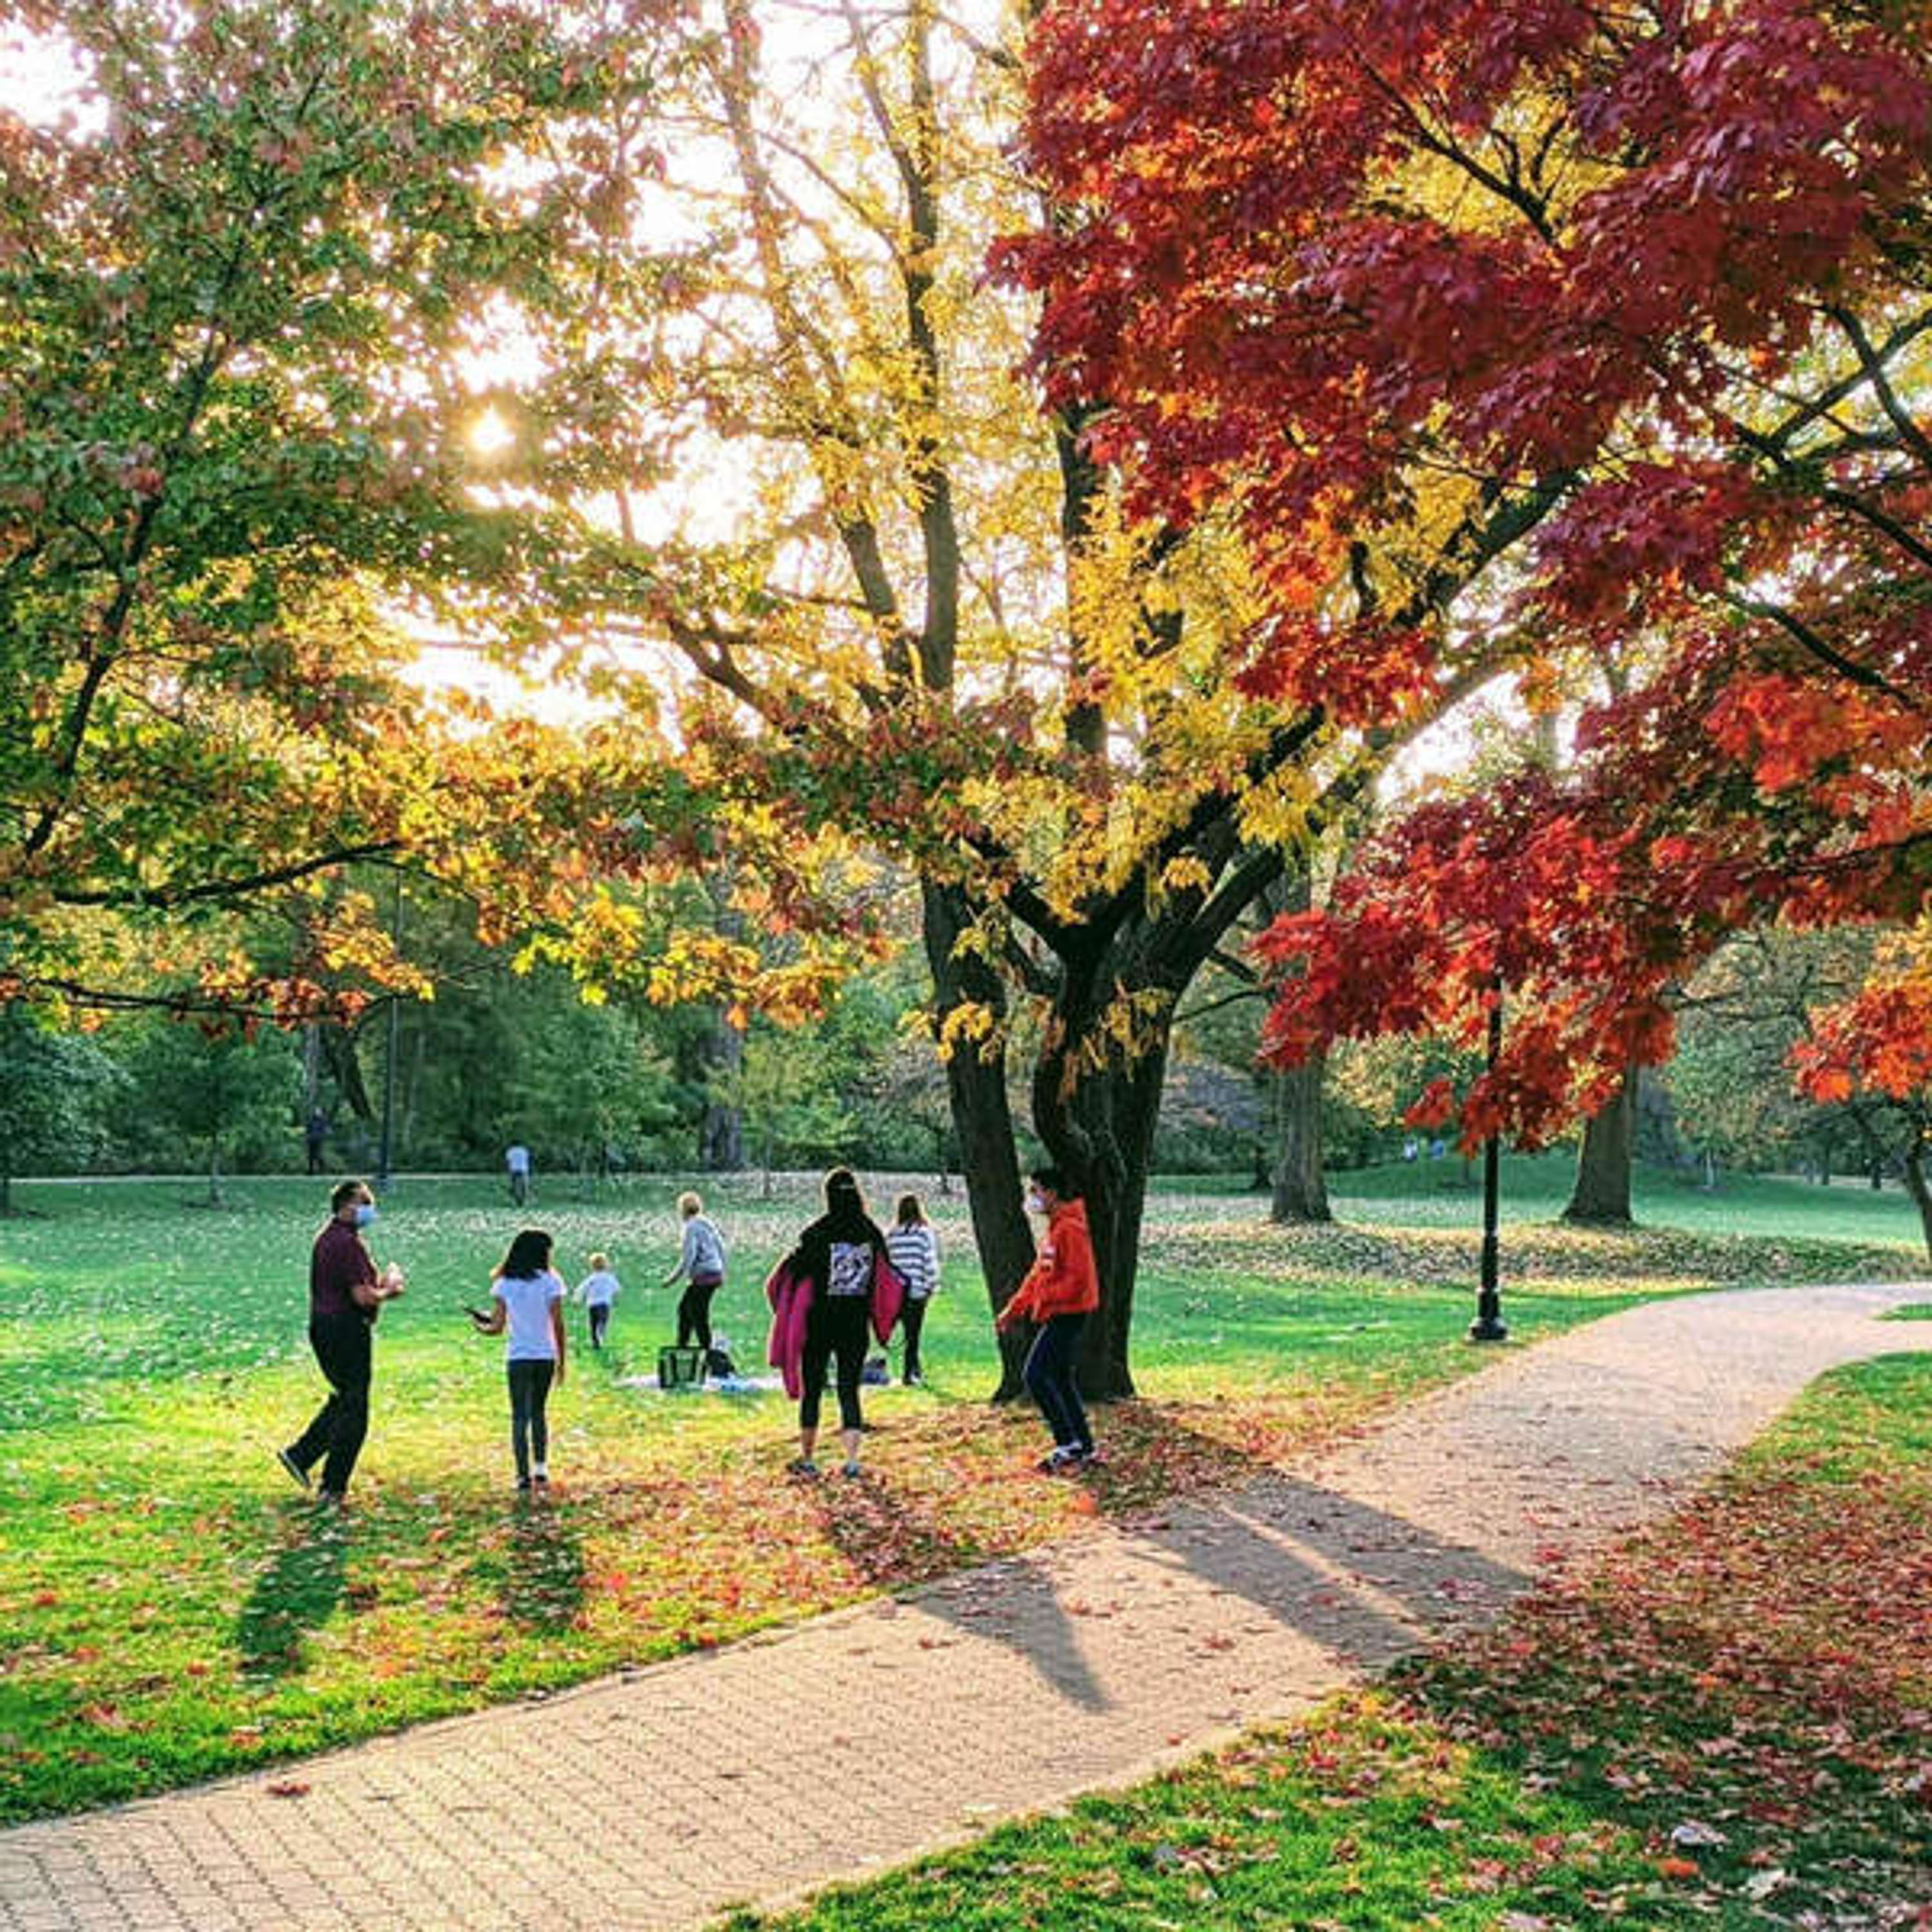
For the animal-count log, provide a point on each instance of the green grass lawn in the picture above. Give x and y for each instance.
(171, 1606)
(1728, 1722)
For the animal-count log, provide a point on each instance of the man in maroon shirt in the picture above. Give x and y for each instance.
(345, 1296)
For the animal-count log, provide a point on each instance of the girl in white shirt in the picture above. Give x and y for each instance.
(527, 1297)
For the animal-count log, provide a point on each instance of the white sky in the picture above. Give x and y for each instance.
(39, 80)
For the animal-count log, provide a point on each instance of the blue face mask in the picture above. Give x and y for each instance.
(365, 1213)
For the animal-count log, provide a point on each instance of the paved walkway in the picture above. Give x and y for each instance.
(654, 1798)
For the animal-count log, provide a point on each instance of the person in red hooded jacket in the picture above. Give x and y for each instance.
(1061, 1289)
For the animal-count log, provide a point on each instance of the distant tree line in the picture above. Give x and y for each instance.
(601, 1089)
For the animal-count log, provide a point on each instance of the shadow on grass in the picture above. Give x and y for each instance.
(536, 1568)
(297, 1592)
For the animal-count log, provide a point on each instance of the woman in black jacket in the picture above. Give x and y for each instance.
(840, 1254)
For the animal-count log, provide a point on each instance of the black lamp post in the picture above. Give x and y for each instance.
(1489, 1325)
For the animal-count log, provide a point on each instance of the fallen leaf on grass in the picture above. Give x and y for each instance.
(1692, 1834)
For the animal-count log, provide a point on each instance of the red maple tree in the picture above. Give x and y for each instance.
(1656, 280)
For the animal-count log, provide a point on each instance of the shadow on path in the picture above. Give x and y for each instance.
(874, 1526)
(1365, 1584)
(1361, 1584)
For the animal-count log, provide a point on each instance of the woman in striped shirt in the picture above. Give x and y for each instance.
(914, 1249)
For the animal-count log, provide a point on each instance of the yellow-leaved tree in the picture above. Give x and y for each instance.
(788, 500)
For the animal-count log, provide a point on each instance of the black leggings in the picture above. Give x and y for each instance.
(600, 1320)
(529, 1431)
(694, 1313)
(838, 1325)
(912, 1319)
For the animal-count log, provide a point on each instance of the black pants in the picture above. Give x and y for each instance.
(694, 1313)
(837, 1325)
(912, 1319)
(600, 1320)
(341, 1343)
(529, 1429)
(1050, 1380)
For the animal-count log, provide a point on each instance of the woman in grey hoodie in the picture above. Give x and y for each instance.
(700, 1266)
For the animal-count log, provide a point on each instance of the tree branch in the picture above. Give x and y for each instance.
(167, 898)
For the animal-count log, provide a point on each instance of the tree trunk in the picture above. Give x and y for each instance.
(1915, 1185)
(982, 1121)
(1098, 1124)
(1601, 1195)
(721, 1129)
(1300, 1186)
(339, 1048)
(1130, 1103)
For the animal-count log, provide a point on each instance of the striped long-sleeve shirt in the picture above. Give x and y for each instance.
(914, 1250)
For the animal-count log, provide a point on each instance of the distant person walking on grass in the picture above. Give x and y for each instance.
(914, 1249)
(315, 1134)
(1061, 1289)
(855, 1289)
(345, 1296)
(700, 1267)
(527, 1297)
(517, 1164)
(597, 1291)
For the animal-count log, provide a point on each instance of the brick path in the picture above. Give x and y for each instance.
(654, 1798)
